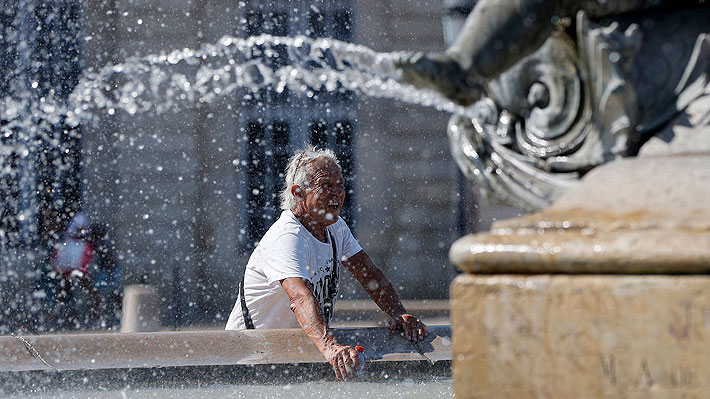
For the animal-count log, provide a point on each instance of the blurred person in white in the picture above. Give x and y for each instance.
(292, 277)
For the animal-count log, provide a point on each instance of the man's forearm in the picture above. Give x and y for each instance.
(375, 282)
(307, 310)
(383, 293)
(311, 319)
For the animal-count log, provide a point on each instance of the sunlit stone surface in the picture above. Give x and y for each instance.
(199, 364)
(563, 336)
(179, 349)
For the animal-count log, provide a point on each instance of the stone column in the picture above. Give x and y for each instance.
(605, 294)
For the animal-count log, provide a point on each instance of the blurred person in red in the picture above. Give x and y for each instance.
(71, 264)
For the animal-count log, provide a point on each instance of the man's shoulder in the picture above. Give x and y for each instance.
(340, 226)
(286, 224)
(284, 229)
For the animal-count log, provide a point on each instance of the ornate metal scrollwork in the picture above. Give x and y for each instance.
(520, 146)
(573, 105)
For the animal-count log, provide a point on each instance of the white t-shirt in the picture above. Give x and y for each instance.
(289, 250)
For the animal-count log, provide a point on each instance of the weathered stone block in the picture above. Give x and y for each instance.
(581, 336)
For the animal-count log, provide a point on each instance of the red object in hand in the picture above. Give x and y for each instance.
(361, 355)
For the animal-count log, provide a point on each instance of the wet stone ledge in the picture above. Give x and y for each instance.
(169, 359)
(192, 377)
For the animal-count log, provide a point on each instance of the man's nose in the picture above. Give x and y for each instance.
(338, 190)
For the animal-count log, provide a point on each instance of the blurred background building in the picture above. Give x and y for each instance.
(186, 194)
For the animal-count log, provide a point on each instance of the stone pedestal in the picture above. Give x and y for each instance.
(605, 294)
(584, 336)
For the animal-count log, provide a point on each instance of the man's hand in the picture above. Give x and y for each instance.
(344, 360)
(414, 329)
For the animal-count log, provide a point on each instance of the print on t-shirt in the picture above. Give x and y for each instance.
(325, 288)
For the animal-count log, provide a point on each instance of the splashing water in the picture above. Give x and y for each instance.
(164, 82)
(151, 84)
(167, 81)
(227, 65)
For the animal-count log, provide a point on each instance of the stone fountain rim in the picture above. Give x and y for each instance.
(634, 216)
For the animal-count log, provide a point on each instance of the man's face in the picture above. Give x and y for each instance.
(324, 194)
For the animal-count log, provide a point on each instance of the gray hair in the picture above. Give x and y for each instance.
(297, 173)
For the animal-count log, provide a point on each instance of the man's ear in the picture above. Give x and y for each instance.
(296, 191)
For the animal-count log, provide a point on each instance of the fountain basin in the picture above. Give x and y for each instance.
(204, 357)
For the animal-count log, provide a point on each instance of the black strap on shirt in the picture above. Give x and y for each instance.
(329, 300)
(245, 311)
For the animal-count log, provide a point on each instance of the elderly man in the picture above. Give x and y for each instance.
(292, 276)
